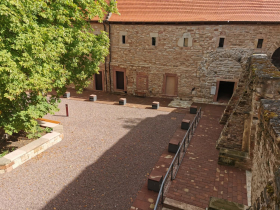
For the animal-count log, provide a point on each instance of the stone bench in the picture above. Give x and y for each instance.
(92, 97)
(122, 101)
(174, 145)
(185, 124)
(66, 95)
(193, 109)
(155, 105)
(155, 180)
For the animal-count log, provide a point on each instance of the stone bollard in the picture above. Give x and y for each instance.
(92, 97)
(193, 109)
(155, 105)
(122, 101)
(185, 124)
(66, 95)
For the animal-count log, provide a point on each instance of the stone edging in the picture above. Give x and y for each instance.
(25, 153)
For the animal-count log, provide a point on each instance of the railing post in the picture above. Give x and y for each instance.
(162, 193)
(179, 157)
(171, 172)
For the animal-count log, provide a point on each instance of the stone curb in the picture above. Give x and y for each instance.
(25, 153)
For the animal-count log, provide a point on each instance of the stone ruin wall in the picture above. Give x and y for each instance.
(197, 67)
(236, 142)
(266, 159)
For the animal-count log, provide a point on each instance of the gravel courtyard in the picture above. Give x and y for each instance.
(103, 160)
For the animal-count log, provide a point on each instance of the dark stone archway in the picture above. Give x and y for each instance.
(275, 58)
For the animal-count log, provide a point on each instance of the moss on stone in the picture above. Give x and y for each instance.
(269, 115)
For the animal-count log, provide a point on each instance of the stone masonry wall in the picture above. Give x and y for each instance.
(197, 67)
(266, 161)
(237, 140)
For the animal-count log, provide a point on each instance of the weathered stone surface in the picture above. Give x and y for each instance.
(221, 204)
(176, 205)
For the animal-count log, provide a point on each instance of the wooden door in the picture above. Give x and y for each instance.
(98, 81)
(170, 86)
(120, 80)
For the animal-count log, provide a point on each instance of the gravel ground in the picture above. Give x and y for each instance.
(102, 162)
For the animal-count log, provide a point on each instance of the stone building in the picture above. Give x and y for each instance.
(193, 50)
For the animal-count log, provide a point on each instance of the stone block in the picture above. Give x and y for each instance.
(122, 101)
(66, 95)
(155, 105)
(58, 128)
(33, 145)
(185, 124)
(154, 181)
(193, 109)
(50, 136)
(92, 97)
(221, 204)
(15, 154)
(173, 145)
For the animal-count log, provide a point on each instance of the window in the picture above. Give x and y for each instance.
(260, 43)
(221, 42)
(186, 41)
(154, 41)
(123, 39)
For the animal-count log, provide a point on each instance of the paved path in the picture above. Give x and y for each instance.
(102, 162)
(200, 176)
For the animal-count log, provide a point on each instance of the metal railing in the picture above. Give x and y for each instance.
(177, 160)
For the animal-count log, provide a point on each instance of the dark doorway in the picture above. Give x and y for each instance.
(275, 59)
(98, 81)
(120, 80)
(225, 91)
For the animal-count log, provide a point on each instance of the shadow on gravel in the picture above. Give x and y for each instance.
(113, 181)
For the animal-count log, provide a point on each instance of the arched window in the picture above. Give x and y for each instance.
(275, 59)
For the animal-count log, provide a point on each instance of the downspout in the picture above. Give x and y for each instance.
(110, 57)
(110, 50)
(105, 71)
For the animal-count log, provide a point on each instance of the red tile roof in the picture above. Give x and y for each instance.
(197, 10)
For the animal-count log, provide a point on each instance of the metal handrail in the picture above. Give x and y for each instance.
(183, 145)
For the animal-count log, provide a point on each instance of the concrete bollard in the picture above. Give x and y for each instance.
(122, 101)
(92, 97)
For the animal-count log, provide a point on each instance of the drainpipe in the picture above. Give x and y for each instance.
(110, 57)
(105, 71)
(110, 49)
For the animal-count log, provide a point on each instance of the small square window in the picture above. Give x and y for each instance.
(221, 42)
(260, 43)
(123, 39)
(154, 41)
(186, 42)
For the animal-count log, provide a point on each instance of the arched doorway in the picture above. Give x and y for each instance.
(275, 58)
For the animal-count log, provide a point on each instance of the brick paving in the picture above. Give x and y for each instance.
(200, 176)
(147, 198)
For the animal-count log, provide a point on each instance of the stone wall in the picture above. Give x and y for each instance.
(197, 67)
(266, 161)
(237, 140)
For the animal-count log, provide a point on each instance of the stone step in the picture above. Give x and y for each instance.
(177, 205)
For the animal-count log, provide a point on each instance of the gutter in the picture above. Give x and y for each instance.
(110, 49)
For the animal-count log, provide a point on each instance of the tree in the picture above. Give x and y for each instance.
(46, 45)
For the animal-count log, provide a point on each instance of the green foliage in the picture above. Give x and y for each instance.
(45, 45)
(5, 152)
(35, 132)
(48, 130)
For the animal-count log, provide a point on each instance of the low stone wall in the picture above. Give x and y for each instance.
(266, 161)
(25, 153)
